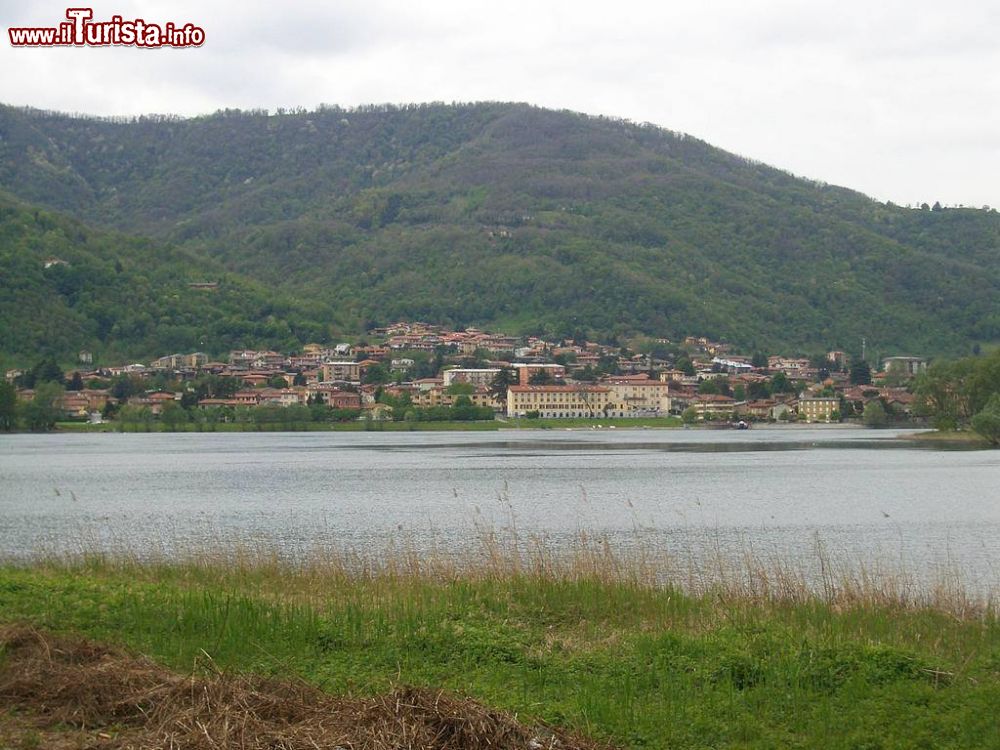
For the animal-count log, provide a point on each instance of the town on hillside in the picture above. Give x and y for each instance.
(416, 371)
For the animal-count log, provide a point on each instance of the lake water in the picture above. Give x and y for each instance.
(864, 495)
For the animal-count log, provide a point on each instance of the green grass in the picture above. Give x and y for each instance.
(966, 437)
(640, 666)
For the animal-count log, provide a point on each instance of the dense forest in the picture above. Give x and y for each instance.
(503, 215)
(65, 287)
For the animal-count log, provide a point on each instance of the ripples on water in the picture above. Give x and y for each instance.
(781, 493)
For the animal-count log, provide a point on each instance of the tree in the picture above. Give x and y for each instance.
(874, 414)
(277, 381)
(689, 415)
(45, 371)
(502, 381)
(377, 374)
(987, 422)
(123, 388)
(299, 379)
(8, 406)
(860, 373)
(135, 415)
(173, 415)
(464, 410)
(781, 384)
(460, 388)
(542, 377)
(709, 386)
(41, 413)
(75, 383)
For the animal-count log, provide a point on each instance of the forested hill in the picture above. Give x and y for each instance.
(65, 287)
(522, 219)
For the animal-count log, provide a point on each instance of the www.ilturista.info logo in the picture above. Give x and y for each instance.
(81, 31)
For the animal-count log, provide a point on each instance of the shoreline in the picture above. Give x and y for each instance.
(505, 425)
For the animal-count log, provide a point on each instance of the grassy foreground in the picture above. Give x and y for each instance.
(593, 650)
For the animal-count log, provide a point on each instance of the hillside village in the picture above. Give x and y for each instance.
(417, 371)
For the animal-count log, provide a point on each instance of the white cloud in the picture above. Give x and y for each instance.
(896, 99)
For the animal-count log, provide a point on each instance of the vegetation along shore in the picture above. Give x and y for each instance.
(525, 646)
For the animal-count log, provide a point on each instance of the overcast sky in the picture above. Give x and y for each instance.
(900, 100)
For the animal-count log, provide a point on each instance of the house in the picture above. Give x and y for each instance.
(192, 361)
(255, 379)
(208, 402)
(758, 409)
(732, 365)
(343, 370)
(713, 406)
(906, 366)
(401, 364)
(637, 396)
(476, 377)
(343, 400)
(791, 366)
(247, 398)
(819, 408)
(439, 396)
(525, 371)
(153, 401)
(74, 404)
(283, 396)
(558, 401)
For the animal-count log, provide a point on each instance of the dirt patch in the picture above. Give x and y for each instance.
(95, 696)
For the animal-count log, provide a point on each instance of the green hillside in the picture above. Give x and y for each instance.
(66, 287)
(524, 219)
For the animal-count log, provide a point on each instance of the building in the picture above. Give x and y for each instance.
(713, 406)
(154, 401)
(818, 408)
(732, 365)
(791, 366)
(637, 396)
(526, 371)
(180, 361)
(906, 366)
(401, 365)
(334, 397)
(283, 396)
(558, 401)
(247, 398)
(343, 370)
(481, 377)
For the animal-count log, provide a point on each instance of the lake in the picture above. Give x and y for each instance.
(863, 495)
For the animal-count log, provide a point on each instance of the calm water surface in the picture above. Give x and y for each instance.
(862, 494)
